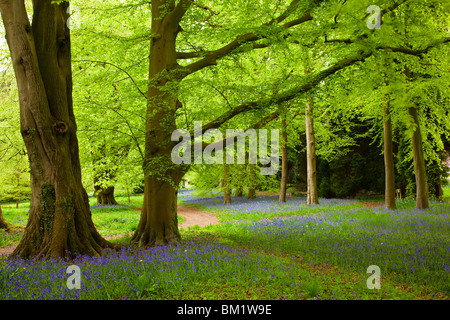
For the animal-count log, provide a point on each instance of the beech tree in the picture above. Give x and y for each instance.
(59, 221)
(3, 224)
(166, 73)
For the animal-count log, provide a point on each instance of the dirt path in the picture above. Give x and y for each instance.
(192, 214)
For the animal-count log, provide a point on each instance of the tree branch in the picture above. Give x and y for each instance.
(119, 68)
(289, 94)
(211, 57)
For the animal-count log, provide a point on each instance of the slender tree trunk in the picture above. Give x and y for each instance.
(3, 224)
(284, 171)
(389, 192)
(226, 184)
(419, 163)
(312, 194)
(251, 181)
(158, 222)
(59, 221)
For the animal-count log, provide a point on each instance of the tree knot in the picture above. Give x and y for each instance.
(60, 127)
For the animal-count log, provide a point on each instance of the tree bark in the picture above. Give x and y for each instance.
(251, 181)
(158, 222)
(312, 195)
(389, 192)
(59, 221)
(105, 196)
(3, 224)
(419, 163)
(226, 184)
(284, 171)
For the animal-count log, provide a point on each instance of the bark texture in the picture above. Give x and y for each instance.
(251, 181)
(59, 221)
(284, 171)
(226, 184)
(158, 222)
(105, 196)
(312, 194)
(389, 192)
(3, 224)
(419, 163)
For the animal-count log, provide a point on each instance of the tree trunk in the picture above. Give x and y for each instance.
(158, 222)
(59, 221)
(251, 181)
(105, 196)
(226, 184)
(312, 195)
(419, 163)
(3, 224)
(283, 183)
(389, 192)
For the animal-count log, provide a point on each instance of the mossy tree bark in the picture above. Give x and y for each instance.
(3, 224)
(59, 221)
(158, 222)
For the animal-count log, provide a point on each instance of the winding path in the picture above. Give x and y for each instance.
(192, 214)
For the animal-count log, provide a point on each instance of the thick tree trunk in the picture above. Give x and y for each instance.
(419, 163)
(251, 181)
(389, 192)
(312, 195)
(158, 222)
(3, 224)
(226, 184)
(105, 196)
(59, 221)
(284, 171)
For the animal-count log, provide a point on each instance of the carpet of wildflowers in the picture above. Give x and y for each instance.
(261, 250)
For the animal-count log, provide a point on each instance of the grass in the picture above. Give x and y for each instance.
(259, 251)
(109, 220)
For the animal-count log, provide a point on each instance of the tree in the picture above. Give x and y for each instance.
(3, 224)
(389, 190)
(59, 221)
(226, 184)
(158, 217)
(284, 167)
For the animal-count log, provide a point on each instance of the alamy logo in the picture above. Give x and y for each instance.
(374, 281)
(74, 20)
(213, 152)
(74, 280)
(374, 20)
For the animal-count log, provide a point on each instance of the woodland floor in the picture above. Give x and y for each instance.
(192, 214)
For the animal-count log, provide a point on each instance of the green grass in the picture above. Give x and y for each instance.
(110, 220)
(319, 252)
(446, 191)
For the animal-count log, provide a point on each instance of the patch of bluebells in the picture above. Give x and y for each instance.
(131, 273)
(262, 205)
(412, 243)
